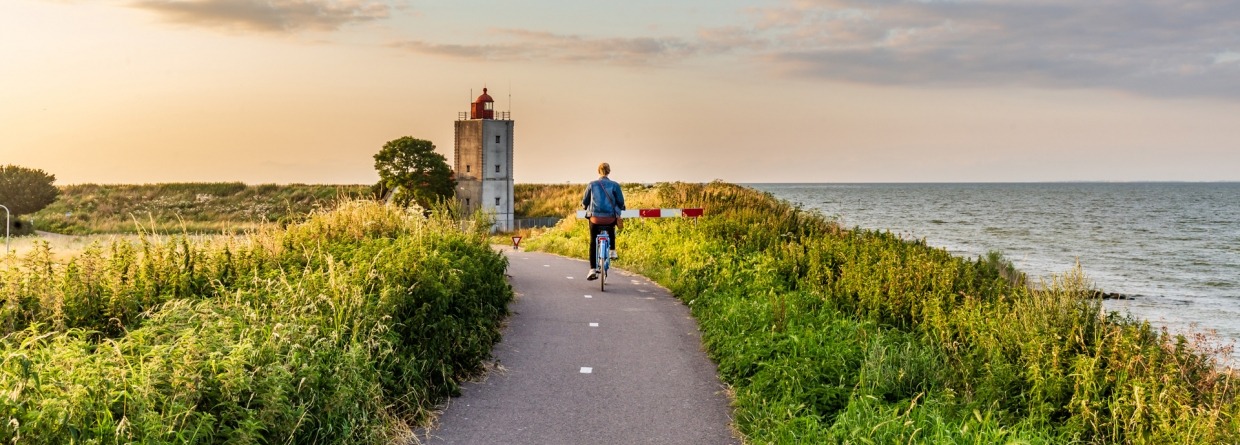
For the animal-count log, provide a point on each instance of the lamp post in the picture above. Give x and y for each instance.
(7, 216)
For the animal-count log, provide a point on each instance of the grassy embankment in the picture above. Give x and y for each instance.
(536, 200)
(344, 328)
(830, 335)
(185, 207)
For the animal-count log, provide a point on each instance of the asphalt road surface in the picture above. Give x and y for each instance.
(580, 366)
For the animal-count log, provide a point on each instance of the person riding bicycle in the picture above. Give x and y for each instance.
(603, 202)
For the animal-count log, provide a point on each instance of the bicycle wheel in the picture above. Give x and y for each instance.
(603, 263)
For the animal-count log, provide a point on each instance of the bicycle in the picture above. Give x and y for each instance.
(602, 258)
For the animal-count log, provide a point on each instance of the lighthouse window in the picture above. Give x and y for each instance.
(496, 201)
(466, 168)
(488, 105)
(496, 168)
(497, 139)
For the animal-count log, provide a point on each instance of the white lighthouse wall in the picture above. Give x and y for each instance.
(497, 180)
(484, 168)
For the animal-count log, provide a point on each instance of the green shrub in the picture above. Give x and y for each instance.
(346, 328)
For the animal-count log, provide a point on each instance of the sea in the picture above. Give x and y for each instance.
(1172, 248)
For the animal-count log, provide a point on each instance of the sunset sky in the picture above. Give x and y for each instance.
(281, 91)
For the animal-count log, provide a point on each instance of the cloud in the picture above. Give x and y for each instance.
(523, 45)
(267, 15)
(1227, 57)
(1154, 47)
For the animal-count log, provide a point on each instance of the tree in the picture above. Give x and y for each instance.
(26, 190)
(422, 175)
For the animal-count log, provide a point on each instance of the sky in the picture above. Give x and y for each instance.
(307, 91)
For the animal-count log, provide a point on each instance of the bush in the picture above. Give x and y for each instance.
(19, 227)
(26, 190)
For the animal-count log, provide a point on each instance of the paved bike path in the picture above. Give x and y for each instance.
(580, 366)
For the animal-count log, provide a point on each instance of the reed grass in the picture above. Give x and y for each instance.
(834, 335)
(347, 327)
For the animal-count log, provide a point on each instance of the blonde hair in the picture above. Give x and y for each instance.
(604, 169)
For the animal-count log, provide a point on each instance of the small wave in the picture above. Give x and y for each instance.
(1007, 231)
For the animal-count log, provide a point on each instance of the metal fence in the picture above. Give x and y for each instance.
(529, 223)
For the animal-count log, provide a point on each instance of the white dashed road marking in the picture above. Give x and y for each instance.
(586, 370)
(594, 325)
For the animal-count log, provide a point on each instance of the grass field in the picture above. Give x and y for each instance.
(831, 335)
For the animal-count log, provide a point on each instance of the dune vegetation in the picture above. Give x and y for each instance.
(546, 200)
(836, 335)
(185, 207)
(349, 325)
(346, 327)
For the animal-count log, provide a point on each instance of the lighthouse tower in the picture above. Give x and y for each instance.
(484, 161)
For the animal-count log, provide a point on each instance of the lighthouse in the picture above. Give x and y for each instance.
(484, 161)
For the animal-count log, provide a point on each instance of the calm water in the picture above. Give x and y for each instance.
(1174, 246)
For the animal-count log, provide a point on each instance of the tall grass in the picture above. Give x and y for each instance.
(558, 200)
(829, 335)
(345, 328)
(535, 200)
(185, 207)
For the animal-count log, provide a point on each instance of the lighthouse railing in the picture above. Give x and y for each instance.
(499, 115)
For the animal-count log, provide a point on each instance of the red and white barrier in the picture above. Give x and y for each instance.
(654, 213)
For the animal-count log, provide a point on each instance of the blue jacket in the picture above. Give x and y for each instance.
(603, 198)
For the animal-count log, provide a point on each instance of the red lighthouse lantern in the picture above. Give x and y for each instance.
(483, 108)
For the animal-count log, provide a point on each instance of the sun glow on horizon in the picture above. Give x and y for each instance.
(116, 92)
